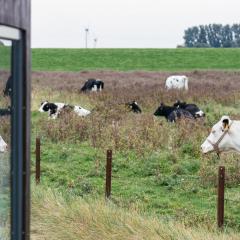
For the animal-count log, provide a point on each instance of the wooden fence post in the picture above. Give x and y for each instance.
(38, 160)
(220, 205)
(108, 174)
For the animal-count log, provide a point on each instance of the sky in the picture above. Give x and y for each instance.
(124, 23)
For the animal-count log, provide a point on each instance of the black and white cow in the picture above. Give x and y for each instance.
(93, 85)
(54, 109)
(134, 107)
(192, 108)
(172, 113)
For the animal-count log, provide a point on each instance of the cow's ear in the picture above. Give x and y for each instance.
(225, 123)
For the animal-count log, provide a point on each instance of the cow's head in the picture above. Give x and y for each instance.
(3, 145)
(220, 137)
(160, 110)
(44, 107)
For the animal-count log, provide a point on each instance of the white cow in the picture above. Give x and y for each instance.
(224, 137)
(177, 82)
(3, 145)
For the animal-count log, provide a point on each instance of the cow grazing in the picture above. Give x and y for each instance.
(3, 145)
(54, 109)
(93, 85)
(134, 107)
(192, 108)
(177, 82)
(172, 114)
(224, 137)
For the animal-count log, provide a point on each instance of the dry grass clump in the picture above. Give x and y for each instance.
(55, 216)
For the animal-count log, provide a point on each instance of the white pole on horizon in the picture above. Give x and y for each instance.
(86, 37)
(95, 42)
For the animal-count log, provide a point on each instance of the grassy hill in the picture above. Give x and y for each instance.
(130, 59)
(134, 59)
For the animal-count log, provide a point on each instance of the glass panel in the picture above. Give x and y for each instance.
(5, 132)
(9, 33)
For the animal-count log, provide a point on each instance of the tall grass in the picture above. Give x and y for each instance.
(59, 216)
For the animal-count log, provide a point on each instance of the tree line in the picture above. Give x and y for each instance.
(213, 35)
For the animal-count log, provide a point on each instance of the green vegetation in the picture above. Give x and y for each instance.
(134, 59)
(183, 59)
(157, 166)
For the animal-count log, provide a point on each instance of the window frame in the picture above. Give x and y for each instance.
(20, 167)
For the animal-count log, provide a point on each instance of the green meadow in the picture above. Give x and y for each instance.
(134, 59)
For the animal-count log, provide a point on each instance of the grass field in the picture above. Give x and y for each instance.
(134, 59)
(130, 59)
(163, 187)
(157, 166)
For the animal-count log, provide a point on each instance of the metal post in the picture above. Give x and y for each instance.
(108, 174)
(38, 160)
(220, 206)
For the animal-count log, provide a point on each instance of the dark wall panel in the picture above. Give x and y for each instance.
(15, 13)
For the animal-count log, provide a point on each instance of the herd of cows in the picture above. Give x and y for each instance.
(224, 136)
(171, 113)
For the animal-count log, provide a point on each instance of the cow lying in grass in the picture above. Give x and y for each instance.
(190, 107)
(224, 137)
(3, 145)
(54, 109)
(134, 107)
(172, 113)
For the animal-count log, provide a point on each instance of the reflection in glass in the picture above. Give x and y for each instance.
(5, 132)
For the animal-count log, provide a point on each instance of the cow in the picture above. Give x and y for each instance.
(134, 107)
(54, 109)
(172, 114)
(93, 85)
(190, 107)
(3, 145)
(224, 137)
(177, 82)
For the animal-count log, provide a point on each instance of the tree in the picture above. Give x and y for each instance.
(212, 35)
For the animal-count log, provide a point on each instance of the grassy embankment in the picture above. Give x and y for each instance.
(135, 59)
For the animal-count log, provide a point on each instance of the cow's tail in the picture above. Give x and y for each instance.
(102, 83)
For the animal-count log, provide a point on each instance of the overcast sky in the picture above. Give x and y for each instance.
(124, 23)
